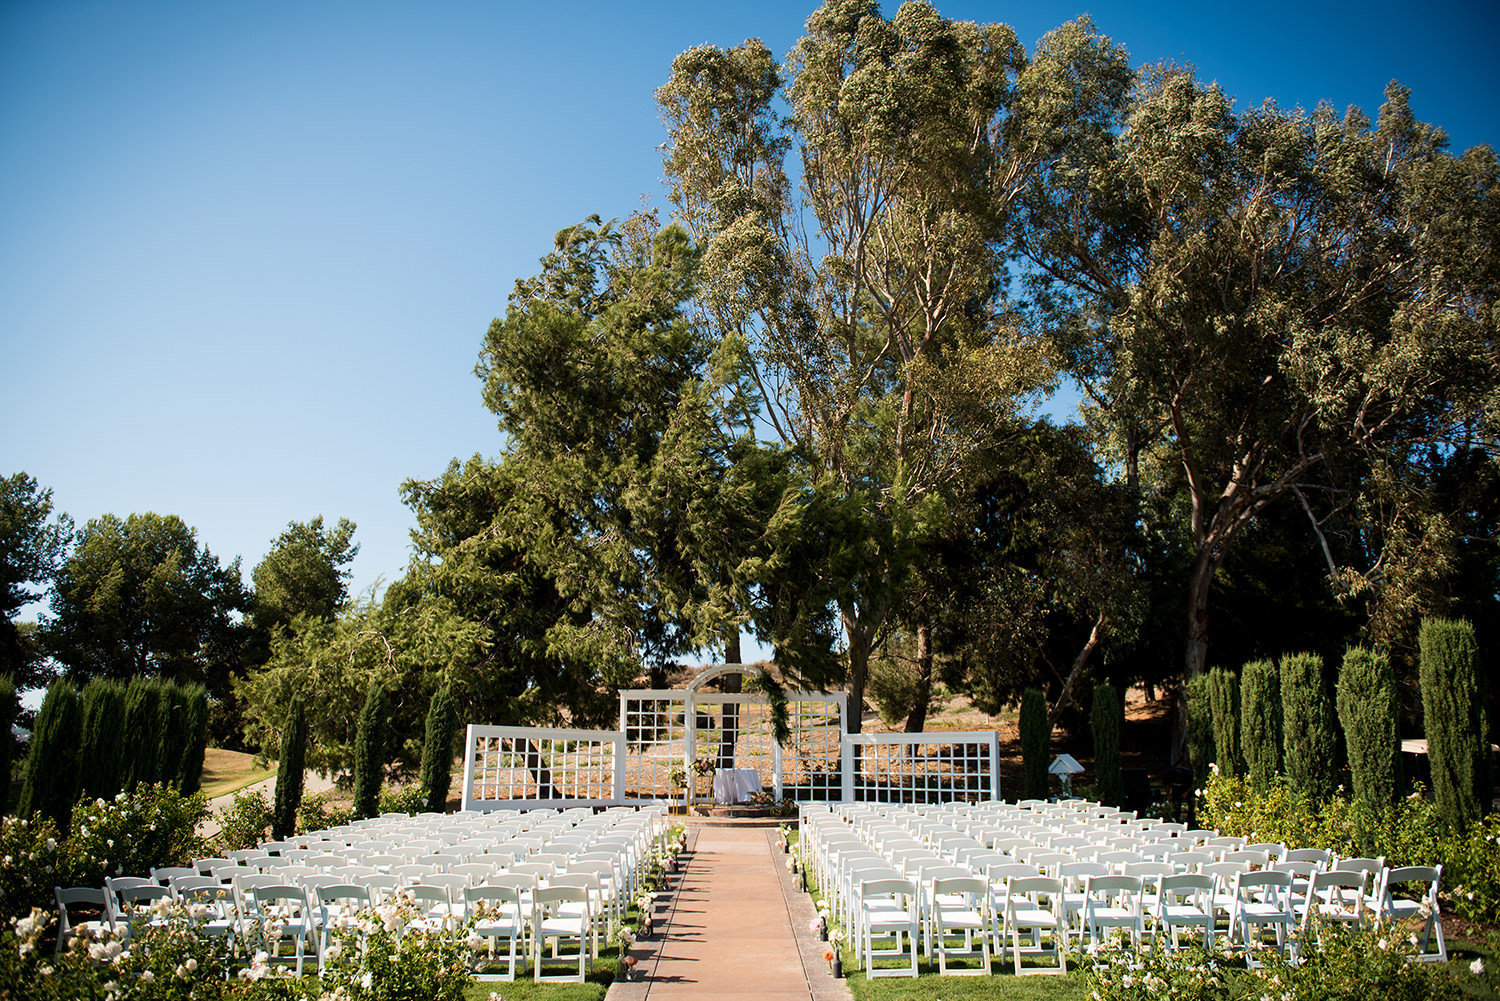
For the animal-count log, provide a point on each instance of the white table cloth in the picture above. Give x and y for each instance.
(735, 785)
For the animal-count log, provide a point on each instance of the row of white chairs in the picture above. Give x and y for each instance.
(888, 875)
(545, 875)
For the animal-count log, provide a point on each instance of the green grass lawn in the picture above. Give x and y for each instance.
(225, 772)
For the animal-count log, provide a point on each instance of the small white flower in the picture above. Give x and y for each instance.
(366, 981)
(1477, 967)
(147, 977)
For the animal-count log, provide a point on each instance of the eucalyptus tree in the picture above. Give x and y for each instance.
(1272, 307)
(33, 543)
(864, 296)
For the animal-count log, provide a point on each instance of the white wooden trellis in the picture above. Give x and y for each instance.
(663, 730)
(669, 729)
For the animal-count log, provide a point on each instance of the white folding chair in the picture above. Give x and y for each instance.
(887, 911)
(1424, 906)
(1185, 900)
(1113, 902)
(1033, 904)
(960, 909)
(88, 901)
(1262, 900)
(552, 923)
(493, 913)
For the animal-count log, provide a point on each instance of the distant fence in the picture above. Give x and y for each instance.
(511, 767)
(921, 767)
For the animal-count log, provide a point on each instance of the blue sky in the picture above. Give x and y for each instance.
(248, 250)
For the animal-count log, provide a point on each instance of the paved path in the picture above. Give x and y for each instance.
(736, 929)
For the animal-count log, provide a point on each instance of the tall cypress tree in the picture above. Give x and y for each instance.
(1036, 743)
(174, 737)
(191, 776)
(1200, 728)
(1309, 741)
(103, 748)
(1105, 722)
(8, 708)
(1453, 715)
(1260, 721)
(369, 752)
(437, 750)
(1368, 713)
(1224, 703)
(143, 720)
(51, 785)
(290, 771)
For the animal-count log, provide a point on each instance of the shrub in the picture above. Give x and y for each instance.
(402, 799)
(1453, 716)
(1367, 712)
(289, 771)
(369, 751)
(143, 716)
(372, 962)
(52, 764)
(103, 742)
(437, 750)
(1200, 727)
(243, 823)
(1104, 719)
(1224, 709)
(1260, 721)
(127, 835)
(1308, 738)
(174, 737)
(1036, 743)
(321, 811)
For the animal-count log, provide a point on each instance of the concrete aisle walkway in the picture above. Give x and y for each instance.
(736, 929)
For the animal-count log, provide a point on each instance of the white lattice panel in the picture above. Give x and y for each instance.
(513, 767)
(921, 767)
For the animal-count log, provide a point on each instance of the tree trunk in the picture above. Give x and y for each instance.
(1196, 656)
(916, 720)
(732, 654)
(1065, 697)
(859, 670)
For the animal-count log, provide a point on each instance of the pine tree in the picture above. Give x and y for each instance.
(1036, 743)
(1260, 721)
(8, 708)
(1105, 722)
(289, 771)
(1368, 713)
(190, 777)
(369, 752)
(1200, 728)
(437, 750)
(1309, 740)
(1224, 704)
(143, 719)
(103, 745)
(1453, 716)
(51, 785)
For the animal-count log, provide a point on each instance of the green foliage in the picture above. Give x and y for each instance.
(104, 745)
(1224, 706)
(1309, 741)
(244, 823)
(52, 765)
(1347, 963)
(893, 688)
(320, 812)
(127, 835)
(190, 776)
(376, 963)
(437, 750)
(32, 546)
(1409, 831)
(1036, 743)
(305, 572)
(408, 799)
(174, 730)
(144, 714)
(289, 771)
(1104, 719)
(1260, 721)
(1368, 713)
(369, 752)
(8, 707)
(1200, 727)
(139, 596)
(1454, 719)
